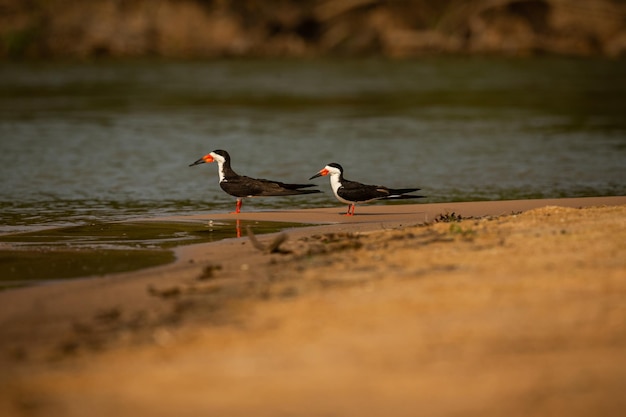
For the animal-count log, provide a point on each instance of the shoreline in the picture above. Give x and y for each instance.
(322, 220)
(369, 217)
(65, 346)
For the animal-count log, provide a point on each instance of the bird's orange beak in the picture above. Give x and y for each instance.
(205, 158)
(320, 174)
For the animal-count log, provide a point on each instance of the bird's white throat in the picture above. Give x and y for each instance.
(220, 166)
(334, 182)
(220, 171)
(335, 185)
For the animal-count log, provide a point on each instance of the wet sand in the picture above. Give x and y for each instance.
(497, 308)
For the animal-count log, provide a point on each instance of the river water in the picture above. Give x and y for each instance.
(101, 141)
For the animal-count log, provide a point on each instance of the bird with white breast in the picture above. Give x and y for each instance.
(241, 186)
(352, 192)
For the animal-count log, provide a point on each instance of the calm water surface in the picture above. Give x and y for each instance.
(85, 142)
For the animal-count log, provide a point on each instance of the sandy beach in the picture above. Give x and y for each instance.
(509, 308)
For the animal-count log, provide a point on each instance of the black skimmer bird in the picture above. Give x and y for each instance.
(351, 192)
(241, 186)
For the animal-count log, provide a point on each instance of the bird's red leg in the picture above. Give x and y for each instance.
(351, 207)
(237, 207)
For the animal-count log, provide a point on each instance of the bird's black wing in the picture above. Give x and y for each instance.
(355, 191)
(243, 186)
(400, 191)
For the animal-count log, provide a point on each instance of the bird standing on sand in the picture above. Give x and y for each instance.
(351, 192)
(241, 186)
